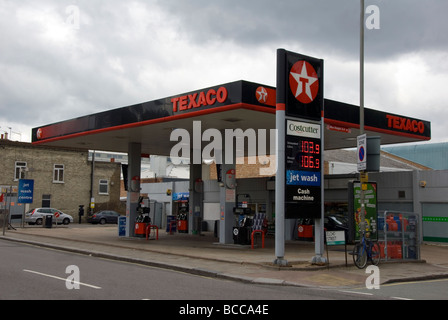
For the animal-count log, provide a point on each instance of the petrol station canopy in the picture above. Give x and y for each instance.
(236, 105)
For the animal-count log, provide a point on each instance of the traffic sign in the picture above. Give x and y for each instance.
(362, 152)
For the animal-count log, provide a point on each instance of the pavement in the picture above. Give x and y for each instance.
(203, 255)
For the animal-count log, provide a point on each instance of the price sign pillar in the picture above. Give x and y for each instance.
(299, 180)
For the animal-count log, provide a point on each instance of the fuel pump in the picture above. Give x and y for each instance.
(142, 219)
(182, 221)
(241, 232)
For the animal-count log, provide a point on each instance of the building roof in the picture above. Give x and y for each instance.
(347, 160)
(432, 155)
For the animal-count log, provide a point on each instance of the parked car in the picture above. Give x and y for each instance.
(103, 217)
(334, 223)
(36, 216)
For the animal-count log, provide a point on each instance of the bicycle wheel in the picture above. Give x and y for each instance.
(375, 253)
(359, 256)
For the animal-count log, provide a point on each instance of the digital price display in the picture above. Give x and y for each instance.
(303, 170)
(303, 154)
(308, 154)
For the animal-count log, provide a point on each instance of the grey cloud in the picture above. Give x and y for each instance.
(406, 25)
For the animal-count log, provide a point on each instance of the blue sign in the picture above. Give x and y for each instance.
(122, 221)
(361, 153)
(181, 196)
(303, 178)
(26, 191)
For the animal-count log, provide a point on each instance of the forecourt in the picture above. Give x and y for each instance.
(144, 129)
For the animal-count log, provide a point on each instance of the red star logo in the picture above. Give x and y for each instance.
(304, 82)
(261, 94)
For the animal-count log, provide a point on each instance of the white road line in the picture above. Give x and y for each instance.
(355, 292)
(400, 298)
(63, 279)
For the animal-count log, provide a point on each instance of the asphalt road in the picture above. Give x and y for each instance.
(34, 273)
(436, 289)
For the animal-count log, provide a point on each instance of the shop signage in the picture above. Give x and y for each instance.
(26, 191)
(301, 89)
(199, 99)
(405, 124)
(371, 216)
(335, 238)
(303, 169)
(181, 196)
(122, 221)
(304, 98)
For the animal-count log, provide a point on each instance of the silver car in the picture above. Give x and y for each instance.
(36, 216)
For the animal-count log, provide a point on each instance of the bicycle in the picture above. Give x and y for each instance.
(366, 250)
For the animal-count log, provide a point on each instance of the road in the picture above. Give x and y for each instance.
(420, 290)
(33, 273)
(29, 272)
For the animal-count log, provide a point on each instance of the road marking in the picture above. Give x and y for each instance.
(414, 282)
(400, 298)
(355, 292)
(59, 278)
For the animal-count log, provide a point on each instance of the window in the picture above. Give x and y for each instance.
(19, 172)
(103, 187)
(58, 173)
(46, 200)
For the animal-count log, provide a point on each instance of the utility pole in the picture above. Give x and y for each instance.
(361, 112)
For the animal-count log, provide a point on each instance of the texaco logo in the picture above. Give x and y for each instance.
(304, 82)
(261, 94)
(39, 134)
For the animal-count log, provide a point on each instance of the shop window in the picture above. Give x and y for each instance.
(20, 169)
(103, 187)
(58, 173)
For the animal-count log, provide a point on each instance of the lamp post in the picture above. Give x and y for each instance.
(361, 70)
(361, 111)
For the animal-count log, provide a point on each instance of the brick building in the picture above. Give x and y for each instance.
(62, 178)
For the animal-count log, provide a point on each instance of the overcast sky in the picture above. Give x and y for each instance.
(61, 59)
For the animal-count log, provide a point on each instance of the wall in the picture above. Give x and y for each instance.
(423, 192)
(75, 188)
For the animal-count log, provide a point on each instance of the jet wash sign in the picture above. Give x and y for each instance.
(26, 191)
(303, 96)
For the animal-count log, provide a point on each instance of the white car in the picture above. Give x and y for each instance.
(36, 216)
